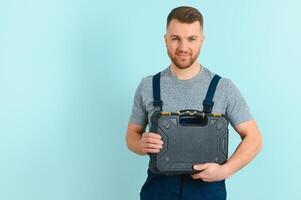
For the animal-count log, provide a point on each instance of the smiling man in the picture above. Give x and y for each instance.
(183, 85)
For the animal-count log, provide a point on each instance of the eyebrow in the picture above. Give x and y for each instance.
(192, 36)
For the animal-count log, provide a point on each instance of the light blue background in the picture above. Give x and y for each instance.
(69, 69)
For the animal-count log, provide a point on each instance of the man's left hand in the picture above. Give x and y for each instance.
(210, 172)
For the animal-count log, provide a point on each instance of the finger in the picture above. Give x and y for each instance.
(198, 176)
(152, 146)
(147, 150)
(208, 180)
(200, 167)
(152, 135)
(152, 140)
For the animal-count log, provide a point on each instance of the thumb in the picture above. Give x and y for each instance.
(200, 167)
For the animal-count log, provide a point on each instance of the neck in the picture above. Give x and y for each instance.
(184, 74)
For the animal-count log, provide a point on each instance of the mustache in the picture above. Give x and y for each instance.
(183, 52)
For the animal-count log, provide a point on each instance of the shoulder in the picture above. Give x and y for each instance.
(145, 87)
(223, 83)
(147, 81)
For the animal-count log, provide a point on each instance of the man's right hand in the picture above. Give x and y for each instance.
(150, 143)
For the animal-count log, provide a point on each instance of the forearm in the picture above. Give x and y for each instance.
(132, 140)
(249, 147)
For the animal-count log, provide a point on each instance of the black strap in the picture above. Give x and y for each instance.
(208, 102)
(156, 92)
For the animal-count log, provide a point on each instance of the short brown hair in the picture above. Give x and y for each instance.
(185, 14)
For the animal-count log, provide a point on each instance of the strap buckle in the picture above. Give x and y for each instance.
(207, 106)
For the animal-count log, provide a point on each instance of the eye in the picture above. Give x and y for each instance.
(192, 39)
(174, 39)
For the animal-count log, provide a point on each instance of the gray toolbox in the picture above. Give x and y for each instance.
(189, 136)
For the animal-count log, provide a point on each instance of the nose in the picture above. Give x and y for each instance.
(183, 46)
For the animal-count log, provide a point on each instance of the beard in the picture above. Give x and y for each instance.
(183, 63)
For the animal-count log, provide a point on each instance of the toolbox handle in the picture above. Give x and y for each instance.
(192, 118)
(193, 113)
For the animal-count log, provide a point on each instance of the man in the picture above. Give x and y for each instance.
(183, 86)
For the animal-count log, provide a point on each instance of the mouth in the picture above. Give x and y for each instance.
(183, 55)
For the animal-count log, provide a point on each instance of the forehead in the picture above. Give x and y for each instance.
(183, 29)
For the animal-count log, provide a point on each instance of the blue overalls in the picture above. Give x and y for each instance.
(182, 187)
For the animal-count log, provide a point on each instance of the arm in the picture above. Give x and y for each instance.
(142, 143)
(248, 148)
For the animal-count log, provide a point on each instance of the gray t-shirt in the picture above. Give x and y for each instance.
(189, 94)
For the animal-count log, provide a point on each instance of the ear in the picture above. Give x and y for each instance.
(165, 39)
(202, 39)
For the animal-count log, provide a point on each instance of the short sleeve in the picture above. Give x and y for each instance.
(139, 113)
(237, 110)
